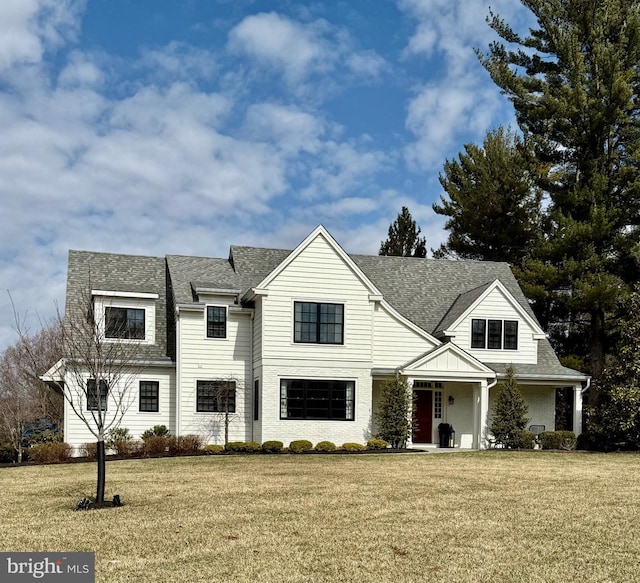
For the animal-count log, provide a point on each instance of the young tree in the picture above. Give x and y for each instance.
(574, 83)
(101, 360)
(404, 238)
(492, 185)
(395, 412)
(508, 415)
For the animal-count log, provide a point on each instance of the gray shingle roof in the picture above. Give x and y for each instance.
(430, 293)
(89, 270)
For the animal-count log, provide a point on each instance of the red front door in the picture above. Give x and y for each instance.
(424, 414)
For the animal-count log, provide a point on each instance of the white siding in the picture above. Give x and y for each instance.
(394, 343)
(77, 432)
(497, 307)
(204, 358)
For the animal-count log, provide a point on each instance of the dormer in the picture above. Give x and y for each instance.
(125, 315)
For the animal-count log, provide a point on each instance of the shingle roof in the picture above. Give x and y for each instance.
(89, 270)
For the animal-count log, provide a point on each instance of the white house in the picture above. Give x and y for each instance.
(304, 339)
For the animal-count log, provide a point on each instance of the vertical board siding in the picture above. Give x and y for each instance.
(496, 307)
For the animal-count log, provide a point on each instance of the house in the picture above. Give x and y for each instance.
(302, 342)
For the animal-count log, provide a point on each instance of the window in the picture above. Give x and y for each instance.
(318, 323)
(494, 334)
(216, 397)
(124, 323)
(316, 399)
(149, 396)
(437, 405)
(95, 401)
(216, 322)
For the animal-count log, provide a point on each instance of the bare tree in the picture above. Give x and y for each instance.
(24, 398)
(220, 396)
(100, 363)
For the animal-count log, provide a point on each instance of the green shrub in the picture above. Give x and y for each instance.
(242, 446)
(7, 454)
(184, 444)
(154, 445)
(156, 431)
(272, 446)
(300, 446)
(527, 439)
(54, 451)
(349, 446)
(89, 449)
(558, 440)
(377, 444)
(213, 449)
(120, 440)
(325, 446)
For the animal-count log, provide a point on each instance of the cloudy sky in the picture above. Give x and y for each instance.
(182, 127)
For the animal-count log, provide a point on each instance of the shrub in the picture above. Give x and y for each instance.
(121, 441)
(7, 454)
(300, 446)
(272, 446)
(154, 445)
(156, 431)
(242, 446)
(377, 444)
(509, 410)
(558, 440)
(89, 449)
(394, 412)
(527, 440)
(325, 446)
(349, 446)
(184, 444)
(213, 449)
(54, 451)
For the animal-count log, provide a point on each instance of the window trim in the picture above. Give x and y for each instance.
(350, 399)
(213, 307)
(216, 398)
(125, 337)
(318, 323)
(157, 396)
(503, 324)
(95, 398)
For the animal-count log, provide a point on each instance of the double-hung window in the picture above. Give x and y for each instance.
(216, 396)
(97, 399)
(216, 322)
(318, 323)
(127, 323)
(317, 399)
(494, 334)
(149, 396)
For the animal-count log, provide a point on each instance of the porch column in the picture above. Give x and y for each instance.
(480, 410)
(577, 409)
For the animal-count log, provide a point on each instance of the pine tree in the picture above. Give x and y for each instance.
(404, 238)
(509, 412)
(574, 82)
(395, 411)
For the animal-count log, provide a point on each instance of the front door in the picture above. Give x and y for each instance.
(424, 415)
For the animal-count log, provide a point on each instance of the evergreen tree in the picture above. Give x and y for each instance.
(509, 410)
(395, 412)
(574, 82)
(494, 206)
(404, 238)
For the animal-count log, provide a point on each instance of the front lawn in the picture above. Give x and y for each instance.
(483, 516)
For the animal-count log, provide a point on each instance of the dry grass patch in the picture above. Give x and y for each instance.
(489, 516)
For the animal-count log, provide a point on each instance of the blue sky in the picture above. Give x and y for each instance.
(182, 127)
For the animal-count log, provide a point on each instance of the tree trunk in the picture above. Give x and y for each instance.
(20, 453)
(101, 472)
(597, 351)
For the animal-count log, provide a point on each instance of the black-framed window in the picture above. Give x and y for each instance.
(149, 396)
(97, 401)
(216, 396)
(317, 399)
(318, 323)
(124, 323)
(494, 334)
(216, 322)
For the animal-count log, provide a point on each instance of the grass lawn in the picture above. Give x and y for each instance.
(481, 516)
